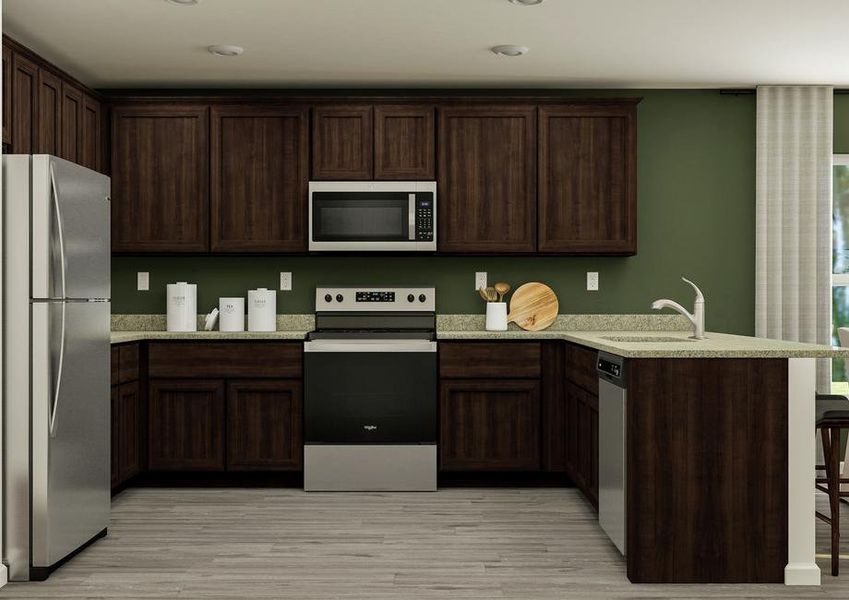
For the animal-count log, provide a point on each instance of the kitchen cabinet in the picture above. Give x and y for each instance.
(127, 413)
(23, 107)
(259, 173)
(160, 183)
(487, 156)
(48, 133)
(91, 134)
(186, 424)
(581, 420)
(71, 117)
(587, 178)
(7, 95)
(264, 430)
(404, 142)
(342, 141)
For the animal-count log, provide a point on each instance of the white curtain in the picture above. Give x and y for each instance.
(793, 242)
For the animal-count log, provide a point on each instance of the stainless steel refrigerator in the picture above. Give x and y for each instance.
(56, 313)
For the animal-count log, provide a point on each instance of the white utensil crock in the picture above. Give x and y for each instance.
(496, 316)
(262, 310)
(182, 306)
(231, 314)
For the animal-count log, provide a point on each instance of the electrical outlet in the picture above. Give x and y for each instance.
(592, 281)
(285, 281)
(142, 281)
(480, 279)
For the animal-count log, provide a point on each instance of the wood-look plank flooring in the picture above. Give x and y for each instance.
(284, 543)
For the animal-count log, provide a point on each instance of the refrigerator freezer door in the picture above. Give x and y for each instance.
(70, 460)
(70, 230)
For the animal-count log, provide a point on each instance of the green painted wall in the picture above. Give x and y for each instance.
(841, 123)
(696, 217)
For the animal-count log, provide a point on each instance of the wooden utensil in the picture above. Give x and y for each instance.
(482, 292)
(491, 294)
(502, 289)
(533, 306)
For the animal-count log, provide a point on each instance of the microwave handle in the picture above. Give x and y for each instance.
(411, 216)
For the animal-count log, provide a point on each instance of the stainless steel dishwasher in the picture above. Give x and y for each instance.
(612, 402)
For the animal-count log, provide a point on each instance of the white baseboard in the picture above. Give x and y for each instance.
(801, 574)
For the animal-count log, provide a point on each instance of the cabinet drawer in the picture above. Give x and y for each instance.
(225, 359)
(125, 363)
(581, 367)
(490, 359)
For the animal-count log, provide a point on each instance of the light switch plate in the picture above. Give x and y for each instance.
(142, 281)
(285, 281)
(592, 281)
(480, 279)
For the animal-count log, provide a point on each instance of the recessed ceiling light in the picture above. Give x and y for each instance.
(526, 2)
(183, 2)
(509, 50)
(226, 50)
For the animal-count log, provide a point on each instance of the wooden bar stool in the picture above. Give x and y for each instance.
(832, 418)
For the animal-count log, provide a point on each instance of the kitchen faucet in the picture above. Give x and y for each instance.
(697, 317)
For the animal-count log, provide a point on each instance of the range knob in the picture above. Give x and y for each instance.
(328, 298)
(422, 297)
(410, 297)
(339, 298)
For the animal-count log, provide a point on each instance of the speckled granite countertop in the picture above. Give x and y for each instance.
(631, 336)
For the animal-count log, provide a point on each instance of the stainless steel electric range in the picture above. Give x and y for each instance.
(370, 390)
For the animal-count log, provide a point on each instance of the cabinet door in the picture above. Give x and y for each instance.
(403, 142)
(587, 451)
(129, 430)
(555, 434)
(186, 425)
(49, 114)
(91, 134)
(7, 94)
(71, 123)
(489, 425)
(487, 179)
(342, 142)
(160, 166)
(587, 179)
(264, 425)
(260, 170)
(572, 397)
(24, 92)
(115, 433)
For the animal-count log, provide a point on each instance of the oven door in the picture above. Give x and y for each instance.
(369, 392)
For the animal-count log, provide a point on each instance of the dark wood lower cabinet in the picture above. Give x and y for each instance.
(126, 432)
(186, 424)
(489, 425)
(264, 425)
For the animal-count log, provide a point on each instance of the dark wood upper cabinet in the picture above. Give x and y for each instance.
(160, 177)
(91, 135)
(264, 430)
(404, 142)
(186, 425)
(587, 178)
(24, 92)
(259, 173)
(70, 139)
(342, 142)
(487, 178)
(7, 94)
(48, 133)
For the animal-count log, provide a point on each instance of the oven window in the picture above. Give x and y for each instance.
(360, 216)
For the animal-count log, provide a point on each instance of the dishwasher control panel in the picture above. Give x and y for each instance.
(611, 367)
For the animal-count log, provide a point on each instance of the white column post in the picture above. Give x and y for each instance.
(801, 566)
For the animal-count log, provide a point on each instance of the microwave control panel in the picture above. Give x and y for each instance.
(424, 217)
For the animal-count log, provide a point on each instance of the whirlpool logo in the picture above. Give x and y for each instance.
(370, 427)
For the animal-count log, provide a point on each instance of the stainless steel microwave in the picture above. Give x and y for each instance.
(372, 216)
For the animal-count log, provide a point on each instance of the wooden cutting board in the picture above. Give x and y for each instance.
(533, 306)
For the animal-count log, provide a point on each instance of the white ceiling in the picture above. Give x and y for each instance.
(440, 43)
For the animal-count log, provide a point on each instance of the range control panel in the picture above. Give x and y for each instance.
(352, 299)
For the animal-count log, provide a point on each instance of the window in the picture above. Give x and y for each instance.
(840, 265)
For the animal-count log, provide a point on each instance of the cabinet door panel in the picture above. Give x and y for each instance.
(70, 139)
(186, 425)
(129, 430)
(24, 91)
(403, 142)
(8, 78)
(160, 160)
(489, 425)
(342, 142)
(260, 170)
(587, 441)
(555, 426)
(91, 134)
(115, 431)
(587, 179)
(49, 114)
(264, 425)
(487, 179)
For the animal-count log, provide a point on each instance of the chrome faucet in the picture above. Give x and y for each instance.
(697, 317)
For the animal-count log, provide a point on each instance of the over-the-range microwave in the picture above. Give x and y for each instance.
(372, 216)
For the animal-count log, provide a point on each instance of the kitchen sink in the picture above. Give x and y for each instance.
(645, 339)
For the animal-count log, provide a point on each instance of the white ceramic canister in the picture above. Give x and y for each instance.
(262, 310)
(231, 314)
(182, 306)
(496, 316)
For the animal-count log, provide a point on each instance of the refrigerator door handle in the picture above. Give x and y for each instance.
(58, 213)
(60, 368)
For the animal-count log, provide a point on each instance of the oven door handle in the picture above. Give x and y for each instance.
(370, 346)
